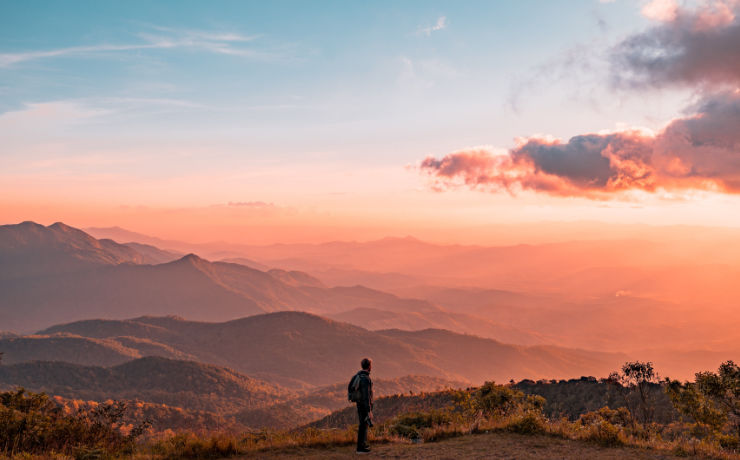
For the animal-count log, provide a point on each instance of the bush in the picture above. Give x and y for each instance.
(729, 442)
(618, 417)
(605, 434)
(498, 400)
(33, 424)
(529, 423)
(409, 425)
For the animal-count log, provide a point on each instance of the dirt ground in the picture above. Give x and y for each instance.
(484, 446)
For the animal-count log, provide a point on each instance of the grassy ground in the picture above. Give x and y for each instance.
(482, 446)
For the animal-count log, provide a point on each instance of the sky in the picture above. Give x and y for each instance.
(311, 121)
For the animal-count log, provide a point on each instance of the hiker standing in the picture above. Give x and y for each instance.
(360, 391)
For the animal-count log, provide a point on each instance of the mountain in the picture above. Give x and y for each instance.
(58, 274)
(375, 319)
(122, 235)
(30, 249)
(187, 286)
(152, 254)
(298, 349)
(247, 263)
(73, 349)
(486, 359)
(186, 384)
(87, 351)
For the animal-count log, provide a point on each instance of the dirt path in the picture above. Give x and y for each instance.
(484, 446)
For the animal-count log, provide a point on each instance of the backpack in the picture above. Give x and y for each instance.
(353, 389)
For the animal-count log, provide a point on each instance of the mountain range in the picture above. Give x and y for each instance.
(594, 286)
(59, 274)
(302, 350)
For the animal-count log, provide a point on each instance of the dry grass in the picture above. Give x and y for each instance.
(495, 445)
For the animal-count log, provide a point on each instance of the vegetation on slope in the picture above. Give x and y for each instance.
(428, 417)
(190, 385)
(319, 403)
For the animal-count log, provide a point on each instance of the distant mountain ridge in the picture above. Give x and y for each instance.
(56, 274)
(297, 349)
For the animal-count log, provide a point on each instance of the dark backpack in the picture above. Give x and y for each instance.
(353, 389)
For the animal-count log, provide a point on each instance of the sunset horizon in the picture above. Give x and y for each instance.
(507, 229)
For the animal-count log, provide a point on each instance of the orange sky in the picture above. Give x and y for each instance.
(277, 134)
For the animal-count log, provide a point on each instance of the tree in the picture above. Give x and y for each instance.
(636, 382)
(713, 399)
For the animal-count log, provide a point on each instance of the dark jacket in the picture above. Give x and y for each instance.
(366, 391)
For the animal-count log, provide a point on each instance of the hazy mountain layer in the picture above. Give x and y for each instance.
(294, 348)
(58, 274)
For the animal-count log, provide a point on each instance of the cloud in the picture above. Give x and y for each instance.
(700, 152)
(251, 204)
(158, 38)
(439, 25)
(687, 47)
(424, 73)
(661, 10)
(697, 48)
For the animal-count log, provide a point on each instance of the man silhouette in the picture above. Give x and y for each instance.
(364, 404)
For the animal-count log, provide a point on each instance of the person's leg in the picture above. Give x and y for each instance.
(362, 428)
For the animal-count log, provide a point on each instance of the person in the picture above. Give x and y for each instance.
(364, 405)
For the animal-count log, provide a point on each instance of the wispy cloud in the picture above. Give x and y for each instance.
(157, 38)
(423, 73)
(439, 25)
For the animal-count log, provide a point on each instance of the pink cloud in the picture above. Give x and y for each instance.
(697, 152)
(698, 46)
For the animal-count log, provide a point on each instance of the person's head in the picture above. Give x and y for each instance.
(366, 364)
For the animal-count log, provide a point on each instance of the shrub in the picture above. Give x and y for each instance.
(729, 442)
(409, 425)
(499, 400)
(618, 417)
(605, 434)
(31, 423)
(529, 423)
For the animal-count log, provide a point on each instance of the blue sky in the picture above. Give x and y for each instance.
(300, 103)
(331, 73)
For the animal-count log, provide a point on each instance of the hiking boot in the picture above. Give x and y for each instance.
(364, 450)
